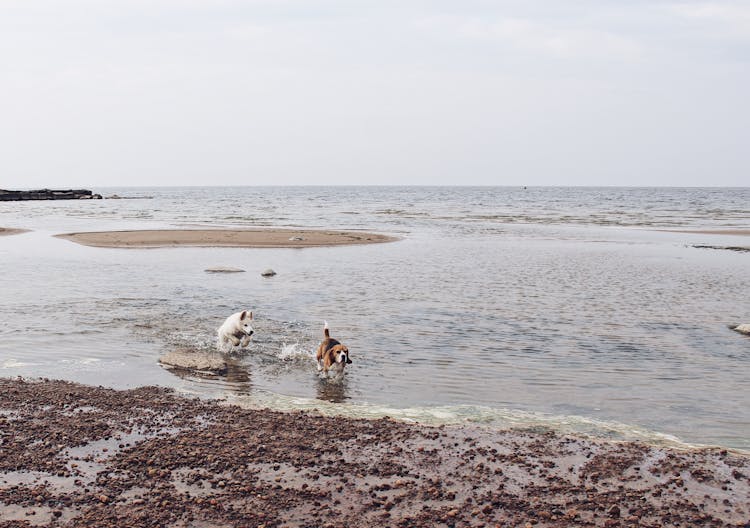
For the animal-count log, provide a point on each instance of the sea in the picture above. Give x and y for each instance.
(585, 310)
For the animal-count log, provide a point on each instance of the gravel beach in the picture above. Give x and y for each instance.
(74, 455)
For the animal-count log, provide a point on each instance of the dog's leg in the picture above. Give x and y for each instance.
(245, 341)
(235, 340)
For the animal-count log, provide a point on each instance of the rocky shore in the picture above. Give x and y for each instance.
(73, 455)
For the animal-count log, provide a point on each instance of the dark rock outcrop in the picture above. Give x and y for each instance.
(48, 194)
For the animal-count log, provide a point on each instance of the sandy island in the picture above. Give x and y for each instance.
(248, 238)
(11, 231)
(74, 455)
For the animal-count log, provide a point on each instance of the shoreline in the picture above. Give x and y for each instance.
(149, 457)
(241, 238)
(6, 231)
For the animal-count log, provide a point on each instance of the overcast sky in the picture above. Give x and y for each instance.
(225, 92)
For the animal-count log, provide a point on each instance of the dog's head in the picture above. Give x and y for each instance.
(341, 354)
(245, 323)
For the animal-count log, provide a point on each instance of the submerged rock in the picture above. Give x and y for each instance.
(728, 248)
(184, 358)
(268, 273)
(220, 269)
(742, 329)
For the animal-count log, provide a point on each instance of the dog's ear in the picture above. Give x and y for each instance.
(242, 316)
(251, 315)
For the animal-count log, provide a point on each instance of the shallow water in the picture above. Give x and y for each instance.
(556, 306)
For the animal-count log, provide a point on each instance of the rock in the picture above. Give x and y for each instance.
(268, 273)
(742, 329)
(741, 249)
(195, 360)
(46, 194)
(220, 269)
(114, 197)
(296, 239)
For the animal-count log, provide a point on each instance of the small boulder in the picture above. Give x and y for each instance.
(220, 269)
(742, 329)
(188, 359)
(268, 273)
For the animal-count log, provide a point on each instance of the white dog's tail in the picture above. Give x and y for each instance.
(325, 329)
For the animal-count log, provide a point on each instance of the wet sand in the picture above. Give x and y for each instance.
(74, 455)
(249, 238)
(733, 232)
(11, 231)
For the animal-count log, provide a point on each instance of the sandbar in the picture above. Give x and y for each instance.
(11, 231)
(240, 238)
(149, 457)
(732, 232)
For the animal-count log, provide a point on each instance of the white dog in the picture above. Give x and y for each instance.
(236, 330)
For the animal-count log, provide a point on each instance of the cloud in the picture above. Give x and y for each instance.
(546, 37)
(419, 90)
(724, 20)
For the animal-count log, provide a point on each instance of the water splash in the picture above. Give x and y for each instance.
(295, 351)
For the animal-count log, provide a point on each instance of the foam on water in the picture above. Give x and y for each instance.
(12, 363)
(497, 418)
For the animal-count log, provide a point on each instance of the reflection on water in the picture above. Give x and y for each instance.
(235, 379)
(238, 376)
(332, 390)
(471, 310)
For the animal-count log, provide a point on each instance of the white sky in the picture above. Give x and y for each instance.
(259, 92)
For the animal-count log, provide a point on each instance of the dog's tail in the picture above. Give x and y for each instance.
(325, 329)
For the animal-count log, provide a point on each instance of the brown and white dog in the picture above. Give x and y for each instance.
(332, 355)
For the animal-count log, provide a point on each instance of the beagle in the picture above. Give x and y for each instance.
(332, 355)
